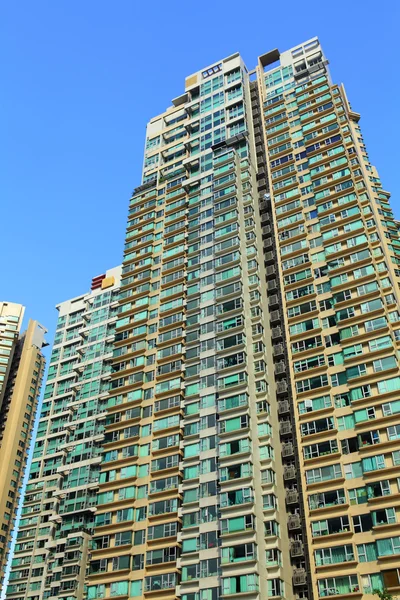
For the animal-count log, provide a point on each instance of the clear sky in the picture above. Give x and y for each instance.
(79, 81)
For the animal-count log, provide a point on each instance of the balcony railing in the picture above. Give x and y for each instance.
(294, 522)
(276, 333)
(296, 548)
(289, 472)
(292, 497)
(271, 271)
(283, 407)
(270, 256)
(275, 316)
(287, 449)
(280, 368)
(282, 387)
(299, 576)
(273, 300)
(285, 427)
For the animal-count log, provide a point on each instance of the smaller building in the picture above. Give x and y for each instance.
(54, 535)
(21, 372)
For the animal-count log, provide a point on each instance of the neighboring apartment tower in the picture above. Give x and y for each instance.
(57, 516)
(21, 371)
(336, 254)
(255, 384)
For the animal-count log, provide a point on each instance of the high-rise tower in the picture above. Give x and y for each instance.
(255, 347)
(21, 372)
(51, 549)
(263, 247)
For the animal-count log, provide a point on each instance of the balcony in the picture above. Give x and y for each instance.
(289, 472)
(275, 316)
(287, 449)
(265, 219)
(296, 548)
(299, 576)
(272, 285)
(273, 300)
(283, 406)
(282, 386)
(271, 271)
(280, 368)
(268, 242)
(276, 333)
(285, 428)
(278, 350)
(292, 497)
(270, 257)
(294, 522)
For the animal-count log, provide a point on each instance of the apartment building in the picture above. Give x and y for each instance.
(259, 245)
(52, 544)
(255, 346)
(21, 371)
(193, 502)
(337, 254)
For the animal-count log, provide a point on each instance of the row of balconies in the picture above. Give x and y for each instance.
(289, 472)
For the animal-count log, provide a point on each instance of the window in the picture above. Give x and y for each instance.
(373, 463)
(275, 587)
(393, 432)
(353, 470)
(160, 582)
(317, 426)
(119, 588)
(240, 584)
(388, 546)
(121, 562)
(367, 552)
(323, 473)
(330, 526)
(372, 582)
(122, 538)
(336, 554)
(388, 385)
(136, 588)
(333, 586)
(384, 516)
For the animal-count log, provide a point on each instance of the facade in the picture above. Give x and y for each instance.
(21, 371)
(52, 545)
(335, 252)
(257, 342)
(255, 346)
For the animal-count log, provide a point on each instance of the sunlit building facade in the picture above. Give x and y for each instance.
(52, 545)
(21, 372)
(260, 283)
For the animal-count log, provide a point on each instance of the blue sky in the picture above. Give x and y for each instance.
(80, 81)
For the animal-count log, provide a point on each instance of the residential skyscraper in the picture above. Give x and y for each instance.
(21, 371)
(255, 347)
(260, 283)
(52, 545)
